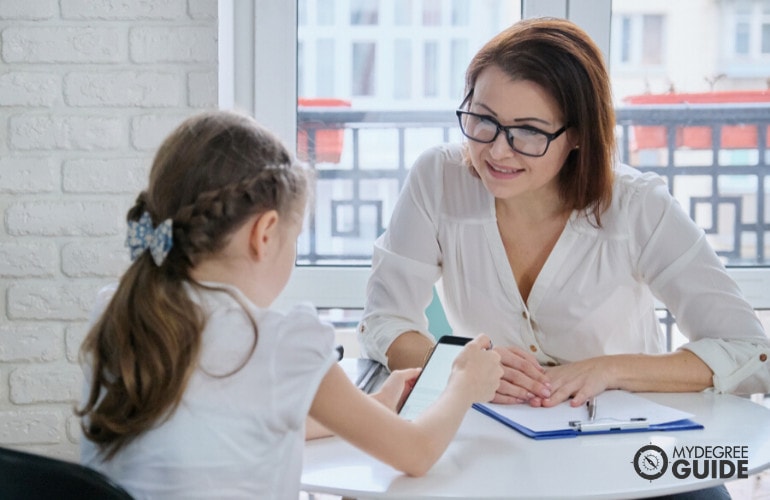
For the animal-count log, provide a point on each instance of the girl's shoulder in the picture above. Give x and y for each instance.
(293, 333)
(301, 345)
(227, 303)
(299, 329)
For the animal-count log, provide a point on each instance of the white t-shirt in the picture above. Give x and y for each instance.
(595, 295)
(239, 436)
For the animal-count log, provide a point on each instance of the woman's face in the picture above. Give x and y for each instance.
(506, 173)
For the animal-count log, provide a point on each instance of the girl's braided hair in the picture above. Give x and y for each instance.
(209, 176)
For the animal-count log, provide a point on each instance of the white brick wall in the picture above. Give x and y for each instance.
(87, 92)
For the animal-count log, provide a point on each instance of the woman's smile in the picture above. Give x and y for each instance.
(503, 172)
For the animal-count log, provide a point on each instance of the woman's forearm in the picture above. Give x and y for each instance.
(409, 350)
(680, 371)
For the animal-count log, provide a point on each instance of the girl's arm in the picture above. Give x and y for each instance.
(392, 394)
(314, 430)
(412, 447)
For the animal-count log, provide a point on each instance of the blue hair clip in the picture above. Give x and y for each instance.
(142, 236)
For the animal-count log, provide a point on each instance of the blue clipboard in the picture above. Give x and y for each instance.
(607, 424)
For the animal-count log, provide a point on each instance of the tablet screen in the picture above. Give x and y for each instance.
(433, 378)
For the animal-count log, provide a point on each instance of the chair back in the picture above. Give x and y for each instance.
(27, 476)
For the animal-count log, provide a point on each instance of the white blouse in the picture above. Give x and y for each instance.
(594, 296)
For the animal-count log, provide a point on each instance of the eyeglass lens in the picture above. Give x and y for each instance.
(523, 140)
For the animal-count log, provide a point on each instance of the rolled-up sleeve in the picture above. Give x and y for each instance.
(406, 263)
(685, 273)
(398, 292)
(739, 366)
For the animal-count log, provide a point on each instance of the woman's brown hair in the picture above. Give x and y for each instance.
(562, 59)
(209, 176)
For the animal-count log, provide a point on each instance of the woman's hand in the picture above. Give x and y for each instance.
(580, 380)
(397, 387)
(523, 379)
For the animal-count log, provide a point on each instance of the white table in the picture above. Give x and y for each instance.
(488, 460)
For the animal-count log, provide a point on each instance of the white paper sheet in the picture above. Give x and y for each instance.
(610, 405)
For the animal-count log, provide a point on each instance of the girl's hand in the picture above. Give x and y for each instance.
(479, 369)
(392, 394)
(397, 387)
(580, 380)
(524, 380)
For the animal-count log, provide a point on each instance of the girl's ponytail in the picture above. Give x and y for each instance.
(210, 175)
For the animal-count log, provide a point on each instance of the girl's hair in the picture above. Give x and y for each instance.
(209, 176)
(562, 59)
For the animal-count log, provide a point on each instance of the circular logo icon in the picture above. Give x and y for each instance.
(650, 462)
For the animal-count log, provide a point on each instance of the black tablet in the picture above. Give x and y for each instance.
(434, 376)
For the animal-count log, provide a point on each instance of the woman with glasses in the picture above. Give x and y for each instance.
(535, 235)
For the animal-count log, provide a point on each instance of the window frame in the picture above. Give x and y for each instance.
(744, 65)
(258, 55)
(636, 37)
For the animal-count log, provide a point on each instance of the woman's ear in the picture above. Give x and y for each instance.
(264, 234)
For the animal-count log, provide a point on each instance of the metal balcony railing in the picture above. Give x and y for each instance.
(714, 157)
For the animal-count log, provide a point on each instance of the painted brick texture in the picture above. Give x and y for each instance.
(88, 90)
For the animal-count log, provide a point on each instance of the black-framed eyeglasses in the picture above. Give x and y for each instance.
(524, 139)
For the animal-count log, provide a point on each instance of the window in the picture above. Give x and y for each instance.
(717, 171)
(325, 12)
(364, 12)
(460, 12)
(430, 69)
(718, 179)
(459, 57)
(375, 60)
(387, 66)
(402, 69)
(638, 41)
(431, 12)
(652, 40)
(720, 174)
(325, 64)
(363, 74)
(402, 12)
(745, 33)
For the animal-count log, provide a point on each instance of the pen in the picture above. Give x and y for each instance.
(591, 409)
(609, 424)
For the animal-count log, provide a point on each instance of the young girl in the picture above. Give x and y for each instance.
(196, 389)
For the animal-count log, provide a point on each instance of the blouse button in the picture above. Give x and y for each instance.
(763, 357)
(533, 348)
(524, 314)
(362, 328)
(551, 363)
